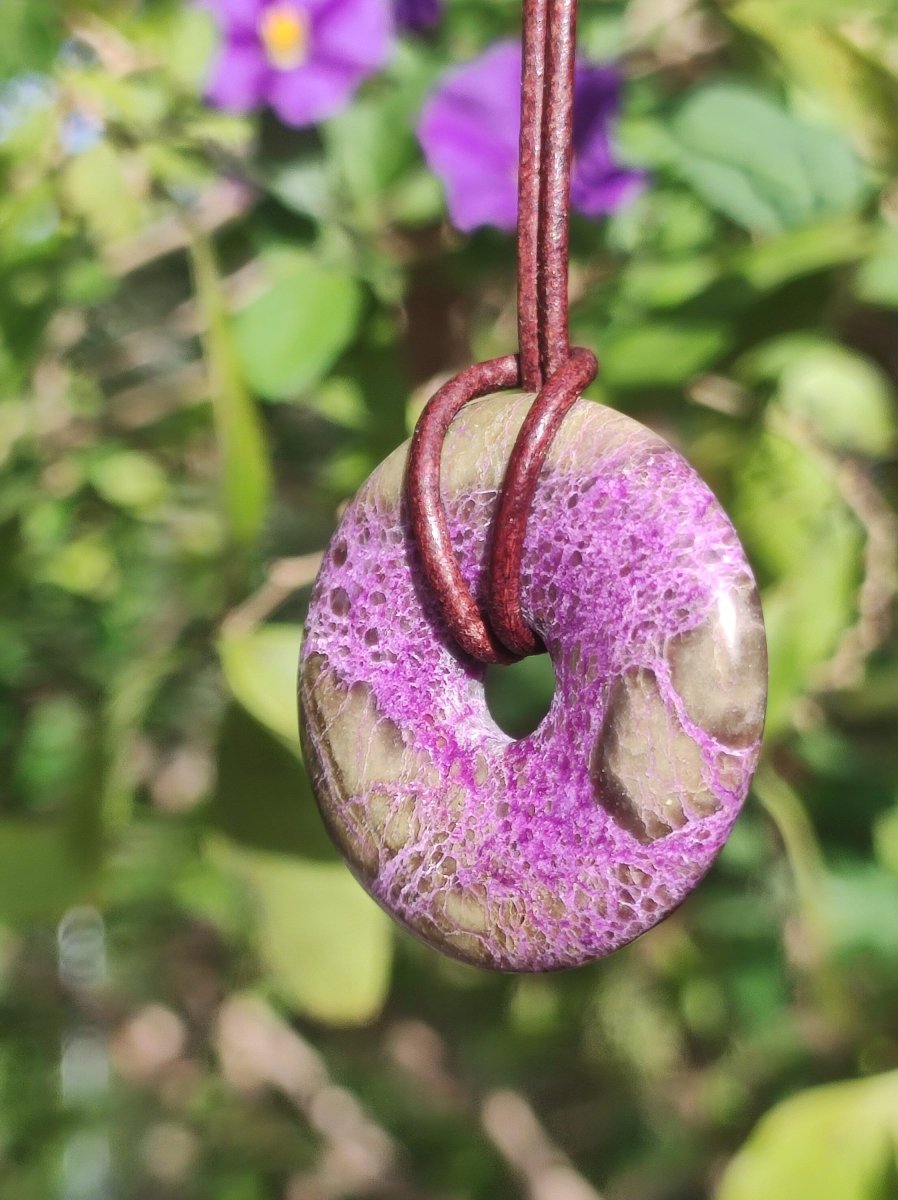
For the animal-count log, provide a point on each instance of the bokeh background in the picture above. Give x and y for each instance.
(212, 326)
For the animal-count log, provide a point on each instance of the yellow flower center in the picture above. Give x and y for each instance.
(284, 30)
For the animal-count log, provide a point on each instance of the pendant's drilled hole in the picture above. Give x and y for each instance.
(519, 696)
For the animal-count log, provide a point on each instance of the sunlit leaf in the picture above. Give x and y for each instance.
(85, 566)
(660, 355)
(836, 395)
(32, 32)
(765, 169)
(862, 910)
(185, 37)
(417, 199)
(844, 399)
(373, 157)
(302, 184)
(838, 1142)
(326, 944)
(129, 479)
(860, 90)
(886, 839)
(667, 283)
(260, 668)
(774, 261)
(95, 186)
(799, 12)
(369, 144)
(341, 401)
(288, 337)
(787, 504)
(137, 101)
(797, 530)
(246, 472)
(802, 633)
(877, 278)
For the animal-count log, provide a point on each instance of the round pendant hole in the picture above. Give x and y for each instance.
(519, 696)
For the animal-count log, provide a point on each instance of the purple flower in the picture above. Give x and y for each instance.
(469, 132)
(418, 15)
(303, 57)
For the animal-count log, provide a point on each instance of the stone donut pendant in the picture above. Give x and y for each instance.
(557, 848)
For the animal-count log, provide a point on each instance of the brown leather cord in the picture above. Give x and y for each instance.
(546, 363)
(529, 189)
(426, 512)
(555, 191)
(516, 499)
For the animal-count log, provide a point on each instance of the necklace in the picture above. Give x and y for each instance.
(521, 524)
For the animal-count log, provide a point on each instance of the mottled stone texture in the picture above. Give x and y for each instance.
(557, 848)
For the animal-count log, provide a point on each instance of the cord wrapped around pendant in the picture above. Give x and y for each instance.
(509, 525)
(545, 364)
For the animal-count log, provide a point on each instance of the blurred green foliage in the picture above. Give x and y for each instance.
(211, 329)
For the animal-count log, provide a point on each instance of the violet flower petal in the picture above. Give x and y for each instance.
(354, 33)
(613, 190)
(235, 16)
(469, 133)
(312, 92)
(239, 79)
(599, 184)
(418, 15)
(347, 41)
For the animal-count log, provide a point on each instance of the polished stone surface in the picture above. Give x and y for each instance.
(557, 848)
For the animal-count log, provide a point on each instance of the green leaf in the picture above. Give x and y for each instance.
(660, 355)
(53, 751)
(798, 12)
(760, 166)
(85, 566)
(263, 798)
(129, 479)
(829, 1143)
(86, 282)
(877, 278)
(417, 199)
(766, 362)
(95, 186)
(802, 632)
(370, 143)
(246, 471)
(260, 667)
(40, 873)
(885, 840)
(667, 283)
(373, 158)
(860, 90)
(862, 910)
(341, 400)
(32, 33)
(840, 397)
(843, 398)
(518, 696)
(818, 247)
(290, 336)
(185, 42)
(799, 531)
(302, 184)
(325, 943)
(787, 505)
